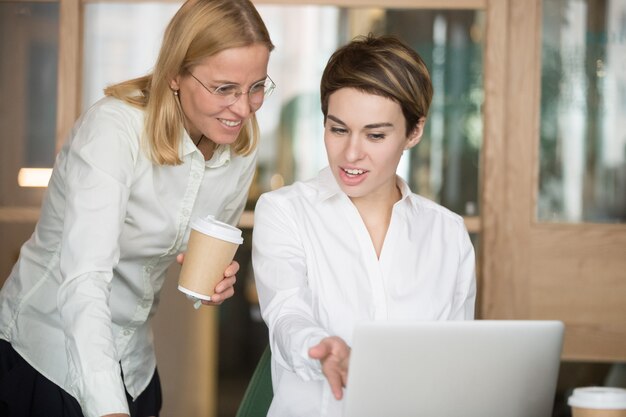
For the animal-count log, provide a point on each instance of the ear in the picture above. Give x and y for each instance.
(416, 134)
(175, 83)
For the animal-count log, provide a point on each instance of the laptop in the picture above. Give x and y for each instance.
(481, 368)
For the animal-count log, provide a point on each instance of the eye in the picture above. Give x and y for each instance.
(337, 130)
(226, 89)
(258, 87)
(376, 136)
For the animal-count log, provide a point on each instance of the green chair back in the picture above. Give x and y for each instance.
(259, 393)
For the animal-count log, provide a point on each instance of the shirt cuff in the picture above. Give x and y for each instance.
(103, 393)
(304, 366)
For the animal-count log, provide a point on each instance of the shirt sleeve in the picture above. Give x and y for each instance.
(99, 171)
(284, 295)
(465, 294)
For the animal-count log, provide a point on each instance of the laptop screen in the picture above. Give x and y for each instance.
(482, 368)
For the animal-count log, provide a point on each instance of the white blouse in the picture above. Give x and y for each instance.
(79, 299)
(317, 274)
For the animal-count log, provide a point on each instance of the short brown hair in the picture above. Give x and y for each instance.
(381, 65)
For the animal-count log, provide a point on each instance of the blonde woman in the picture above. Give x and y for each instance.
(156, 152)
(355, 244)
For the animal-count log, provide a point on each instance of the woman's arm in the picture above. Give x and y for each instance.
(99, 168)
(286, 299)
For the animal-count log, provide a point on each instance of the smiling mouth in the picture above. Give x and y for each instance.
(230, 123)
(353, 172)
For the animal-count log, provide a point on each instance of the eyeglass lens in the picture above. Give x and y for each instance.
(256, 93)
(230, 93)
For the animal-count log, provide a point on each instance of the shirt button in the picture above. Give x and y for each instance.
(145, 304)
(126, 332)
(186, 212)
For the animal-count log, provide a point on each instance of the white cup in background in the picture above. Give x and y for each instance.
(598, 402)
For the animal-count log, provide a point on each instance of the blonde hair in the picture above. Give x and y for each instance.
(384, 66)
(200, 28)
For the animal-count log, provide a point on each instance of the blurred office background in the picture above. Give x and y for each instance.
(526, 139)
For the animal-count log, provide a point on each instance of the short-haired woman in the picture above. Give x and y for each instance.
(355, 244)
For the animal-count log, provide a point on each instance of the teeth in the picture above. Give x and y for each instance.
(231, 123)
(354, 171)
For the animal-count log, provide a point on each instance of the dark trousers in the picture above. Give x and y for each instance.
(24, 392)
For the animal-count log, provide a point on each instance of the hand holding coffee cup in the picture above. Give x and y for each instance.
(211, 249)
(225, 288)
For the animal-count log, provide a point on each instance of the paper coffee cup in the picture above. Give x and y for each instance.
(598, 402)
(211, 248)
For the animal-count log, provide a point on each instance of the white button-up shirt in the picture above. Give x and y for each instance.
(78, 300)
(318, 274)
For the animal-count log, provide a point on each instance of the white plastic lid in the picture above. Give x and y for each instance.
(605, 398)
(212, 227)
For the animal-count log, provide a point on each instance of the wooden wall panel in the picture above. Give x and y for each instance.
(531, 270)
(492, 165)
(70, 58)
(578, 274)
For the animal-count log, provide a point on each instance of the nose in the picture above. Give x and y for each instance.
(354, 149)
(242, 107)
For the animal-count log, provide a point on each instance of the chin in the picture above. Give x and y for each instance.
(226, 140)
(352, 192)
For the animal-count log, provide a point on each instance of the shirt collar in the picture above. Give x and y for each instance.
(327, 185)
(404, 188)
(221, 154)
(187, 146)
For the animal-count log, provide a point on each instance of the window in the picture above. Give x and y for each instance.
(583, 112)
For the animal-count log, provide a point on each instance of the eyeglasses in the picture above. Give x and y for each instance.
(230, 93)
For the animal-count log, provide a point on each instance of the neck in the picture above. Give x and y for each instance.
(376, 215)
(378, 203)
(206, 146)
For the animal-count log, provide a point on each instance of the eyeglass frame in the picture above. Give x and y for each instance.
(266, 91)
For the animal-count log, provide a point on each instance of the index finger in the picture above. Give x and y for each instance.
(335, 381)
(231, 269)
